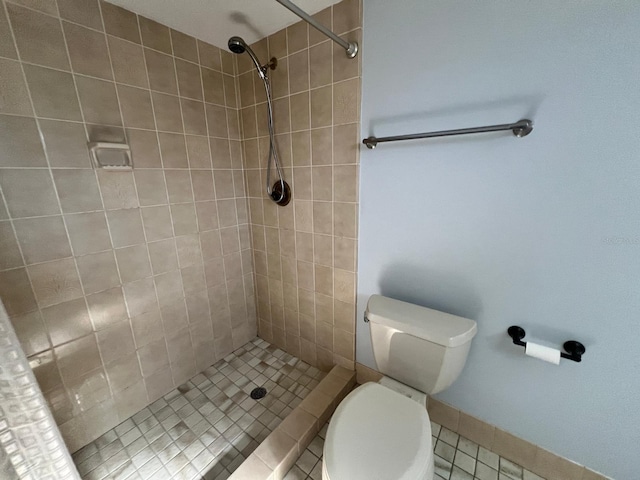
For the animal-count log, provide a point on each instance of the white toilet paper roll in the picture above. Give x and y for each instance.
(547, 354)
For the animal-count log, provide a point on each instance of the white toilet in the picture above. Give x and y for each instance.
(381, 431)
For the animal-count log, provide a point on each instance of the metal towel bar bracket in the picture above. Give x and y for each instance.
(521, 128)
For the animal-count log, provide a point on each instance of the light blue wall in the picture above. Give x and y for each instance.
(513, 231)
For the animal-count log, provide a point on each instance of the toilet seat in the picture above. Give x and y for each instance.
(378, 434)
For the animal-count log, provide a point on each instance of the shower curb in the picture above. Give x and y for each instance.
(279, 451)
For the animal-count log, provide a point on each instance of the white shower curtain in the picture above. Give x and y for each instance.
(31, 446)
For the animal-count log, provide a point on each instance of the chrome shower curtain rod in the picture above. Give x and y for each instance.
(350, 47)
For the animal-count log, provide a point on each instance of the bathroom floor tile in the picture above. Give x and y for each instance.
(207, 427)
(463, 460)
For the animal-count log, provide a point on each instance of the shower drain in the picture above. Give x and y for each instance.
(258, 393)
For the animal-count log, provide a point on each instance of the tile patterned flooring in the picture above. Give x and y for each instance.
(456, 458)
(205, 428)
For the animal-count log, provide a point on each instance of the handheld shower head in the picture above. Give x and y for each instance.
(237, 45)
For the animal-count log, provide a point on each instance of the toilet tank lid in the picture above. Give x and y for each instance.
(422, 322)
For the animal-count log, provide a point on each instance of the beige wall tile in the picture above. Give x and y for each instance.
(10, 256)
(7, 47)
(346, 16)
(133, 263)
(150, 187)
(67, 321)
(321, 107)
(253, 468)
(29, 193)
(161, 71)
(366, 374)
(124, 372)
(346, 101)
(553, 467)
(343, 66)
(157, 223)
(53, 93)
(77, 190)
(31, 331)
(591, 475)
(135, 104)
(443, 414)
(297, 37)
(346, 183)
(115, 341)
(179, 186)
(514, 448)
(84, 12)
(476, 430)
(174, 153)
(140, 296)
(127, 60)
(15, 98)
(125, 227)
(155, 35)
(163, 256)
(66, 144)
(38, 37)
(45, 368)
(212, 84)
(88, 51)
(184, 46)
(299, 71)
(198, 152)
(98, 271)
(184, 219)
(16, 292)
(321, 146)
(99, 101)
(55, 282)
(120, 22)
(78, 357)
(276, 449)
(144, 148)
(42, 239)
(107, 307)
(209, 56)
(193, 117)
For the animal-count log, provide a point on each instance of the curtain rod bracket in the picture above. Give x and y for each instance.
(350, 47)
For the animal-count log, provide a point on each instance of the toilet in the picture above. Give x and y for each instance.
(381, 431)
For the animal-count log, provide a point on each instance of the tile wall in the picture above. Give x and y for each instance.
(305, 253)
(120, 285)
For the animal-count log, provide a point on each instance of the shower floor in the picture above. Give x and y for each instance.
(205, 428)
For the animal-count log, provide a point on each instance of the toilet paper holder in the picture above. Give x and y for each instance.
(573, 349)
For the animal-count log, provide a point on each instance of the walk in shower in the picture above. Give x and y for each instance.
(154, 286)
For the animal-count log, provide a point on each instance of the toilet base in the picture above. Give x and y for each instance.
(427, 476)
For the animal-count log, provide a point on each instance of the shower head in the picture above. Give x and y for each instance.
(237, 45)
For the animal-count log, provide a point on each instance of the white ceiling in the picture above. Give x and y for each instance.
(214, 21)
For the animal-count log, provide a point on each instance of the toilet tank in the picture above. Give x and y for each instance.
(420, 347)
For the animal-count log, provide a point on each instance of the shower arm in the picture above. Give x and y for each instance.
(350, 47)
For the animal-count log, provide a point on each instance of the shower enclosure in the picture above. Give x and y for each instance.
(137, 292)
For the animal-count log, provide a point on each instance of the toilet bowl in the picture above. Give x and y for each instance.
(381, 431)
(377, 433)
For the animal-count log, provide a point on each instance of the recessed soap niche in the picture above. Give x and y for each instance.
(111, 156)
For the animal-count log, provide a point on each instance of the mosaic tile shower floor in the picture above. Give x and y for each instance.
(456, 458)
(207, 427)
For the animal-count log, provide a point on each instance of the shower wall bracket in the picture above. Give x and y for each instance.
(351, 48)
